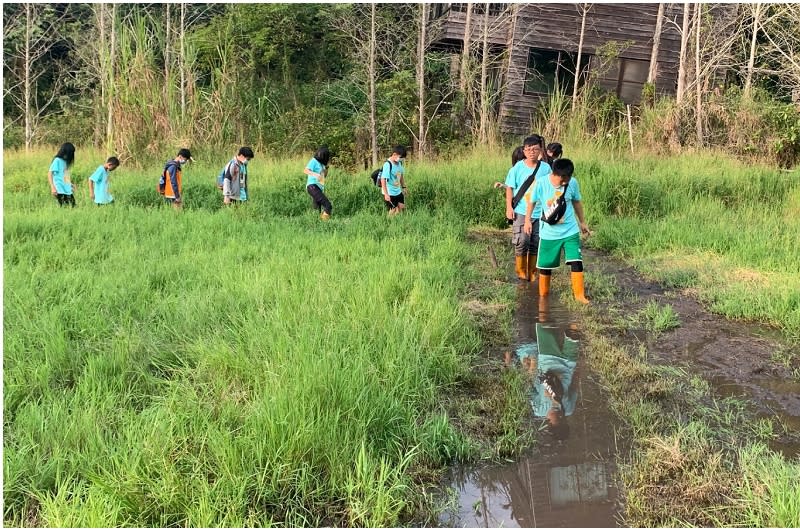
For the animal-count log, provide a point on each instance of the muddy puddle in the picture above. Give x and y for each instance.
(738, 359)
(568, 480)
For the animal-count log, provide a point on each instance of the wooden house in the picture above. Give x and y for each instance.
(540, 45)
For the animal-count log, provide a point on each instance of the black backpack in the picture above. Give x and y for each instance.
(556, 211)
(376, 175)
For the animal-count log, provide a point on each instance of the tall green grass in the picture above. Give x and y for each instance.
(237, 367)
(253, 366)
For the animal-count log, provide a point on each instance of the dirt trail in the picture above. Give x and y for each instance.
(735, 357)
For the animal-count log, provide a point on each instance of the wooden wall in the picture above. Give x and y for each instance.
(557, 27)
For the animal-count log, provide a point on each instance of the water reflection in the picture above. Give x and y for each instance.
(568, 482)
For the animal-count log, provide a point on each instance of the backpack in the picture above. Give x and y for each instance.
(162, 182)
(376, 175)
(555, 212)
(225, 172)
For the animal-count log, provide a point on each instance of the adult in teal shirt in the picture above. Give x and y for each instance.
(317, 171)
(525, 243)
(98, 182)
(58, 175)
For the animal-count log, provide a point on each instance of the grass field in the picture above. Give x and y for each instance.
(255, 367)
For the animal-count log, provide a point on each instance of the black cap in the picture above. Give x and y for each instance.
(185, 153)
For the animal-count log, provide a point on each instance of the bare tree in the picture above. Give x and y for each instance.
(748, 81)
(683, 53)
(373, 125)
(40, 30)
(483, 132)
(653, 71)
(698, 16)
(422, 45)
(465, 51)
(167, 46)
(183, 62)
(782, 32)
(109, 64)
(584, 11)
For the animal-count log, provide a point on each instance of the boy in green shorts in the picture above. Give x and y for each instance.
(562, 230)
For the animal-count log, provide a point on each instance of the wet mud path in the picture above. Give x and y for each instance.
(568, 479)
(736, 358)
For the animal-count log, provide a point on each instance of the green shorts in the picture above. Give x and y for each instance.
(550, 252)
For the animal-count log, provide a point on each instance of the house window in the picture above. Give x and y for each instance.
(496, 10)
(548, 69)
(480, 9)
(632, 76)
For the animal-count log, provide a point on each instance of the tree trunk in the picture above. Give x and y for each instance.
(584, 11)
(100, 15)
(653, 72)
(462, 80)
(684, 52)
(110, 92)
(167, 51)
(183, 62)
(751, 61)
(421, 79)
(373, 125)
(26, 77)
(483, 132)
(698, 104)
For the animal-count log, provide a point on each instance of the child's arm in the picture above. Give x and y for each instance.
(226, 182)
(384, 189)
(528, 227)
(52, 185)
(312, 173)
(91, 188)
(509, 199)
(581, 220)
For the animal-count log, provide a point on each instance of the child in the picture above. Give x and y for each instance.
(99, 182)
(563, 234)
(234, 183)
(393, 181)
(170, 185)
(58, 175)
(554, 151)
(317, 170)
(554, 392)
(519, 187)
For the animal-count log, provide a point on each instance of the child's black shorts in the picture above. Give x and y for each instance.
(394, 200)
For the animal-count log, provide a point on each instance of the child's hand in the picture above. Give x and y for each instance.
(585, 229)
(528, 228)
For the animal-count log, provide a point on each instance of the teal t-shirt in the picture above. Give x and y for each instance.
(516, 177)
(317, 167)
(391, 173)
(100, 180)
(545, 194)
(559, 357)
(59, 169)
